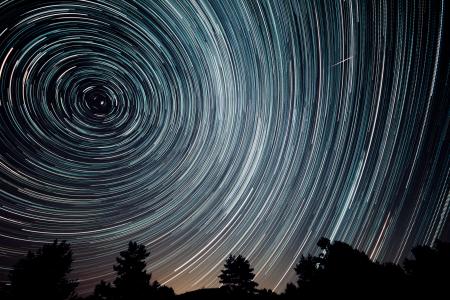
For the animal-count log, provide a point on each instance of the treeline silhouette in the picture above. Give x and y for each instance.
(339, 270)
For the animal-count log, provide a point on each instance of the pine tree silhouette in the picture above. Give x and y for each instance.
(132, 281)
(237, 275)
(44, 274)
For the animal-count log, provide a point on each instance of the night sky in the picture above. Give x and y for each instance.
(204, 128)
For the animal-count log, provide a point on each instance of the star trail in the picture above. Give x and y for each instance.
(204, 128)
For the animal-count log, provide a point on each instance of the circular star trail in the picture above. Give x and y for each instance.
(204, 128)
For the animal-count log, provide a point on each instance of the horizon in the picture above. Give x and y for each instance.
(343, 254)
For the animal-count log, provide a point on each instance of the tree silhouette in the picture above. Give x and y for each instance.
(430, 267)
(103, 291)
(342, 270)
(44, 274)
(237, 275)
(291, 291)
(266, 294)
(132, 281)
(162, 291)
(306, 270)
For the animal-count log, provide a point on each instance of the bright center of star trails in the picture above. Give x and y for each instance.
(204, 128)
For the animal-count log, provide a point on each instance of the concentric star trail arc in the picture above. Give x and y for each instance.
(204, 128)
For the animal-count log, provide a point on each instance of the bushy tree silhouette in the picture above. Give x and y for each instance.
(341, 270)
(162, 291)
(44, 274)
(266, 294)
(103, 291)
(430, 267)
(306, 270)
(237, 275)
